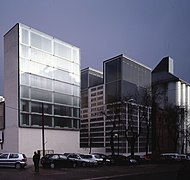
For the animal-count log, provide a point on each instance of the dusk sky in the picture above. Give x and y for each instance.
(144, 30)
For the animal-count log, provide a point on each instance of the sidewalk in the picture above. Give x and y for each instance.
(29, 162)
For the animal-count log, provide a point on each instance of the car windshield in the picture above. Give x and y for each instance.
(4, 156)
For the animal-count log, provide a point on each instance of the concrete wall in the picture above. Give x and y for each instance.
(60, 141)
(11, 89)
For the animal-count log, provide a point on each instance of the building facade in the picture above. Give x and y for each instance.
(41, 80)
(172, 125)
(127, 115)
(109, 118)
(92, 131)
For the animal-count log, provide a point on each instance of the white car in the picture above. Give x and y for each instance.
(16, 160)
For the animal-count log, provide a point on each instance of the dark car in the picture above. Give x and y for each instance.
(135, 159)
(121, 160)
(17, 160)
(57, 161)
(147, 158)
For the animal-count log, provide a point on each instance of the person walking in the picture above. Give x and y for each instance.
(36, 160)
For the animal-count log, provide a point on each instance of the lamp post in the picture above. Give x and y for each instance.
(43, 143)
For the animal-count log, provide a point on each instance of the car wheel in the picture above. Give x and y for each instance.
(52, 165)
(18, 166)
(83, 164)
(74, 165)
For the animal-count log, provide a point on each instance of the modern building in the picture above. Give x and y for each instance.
(92, 132)
(172, 97)
(113, 105)
(41, 84)
(2, 120)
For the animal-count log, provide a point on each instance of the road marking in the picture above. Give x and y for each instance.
(56, 173)
(120, 175)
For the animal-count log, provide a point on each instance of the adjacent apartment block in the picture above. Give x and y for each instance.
(113, 107)
(92, 132)
(172, 97)
(41, 80)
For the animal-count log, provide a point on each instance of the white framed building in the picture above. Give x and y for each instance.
(40, 69)
(173, 92)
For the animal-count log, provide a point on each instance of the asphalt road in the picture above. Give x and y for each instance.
(148, 172)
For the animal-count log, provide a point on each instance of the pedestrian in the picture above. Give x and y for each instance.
(36, 160)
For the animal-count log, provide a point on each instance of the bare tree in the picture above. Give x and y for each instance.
(113, 123)
(140, 109)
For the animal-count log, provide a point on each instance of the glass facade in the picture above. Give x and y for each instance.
(49, 72)
(123, 78)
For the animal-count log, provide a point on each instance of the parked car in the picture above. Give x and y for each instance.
(82, 159)
(16, 160)
(183, 157)
(147, 158)
(136, 159)
(169, 157)
(97, 158)
(106, 161)
(57, 161)
(121, 160)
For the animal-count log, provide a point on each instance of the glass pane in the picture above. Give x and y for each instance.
(36, 120)
(75, 79)
(63, 87)
(76, 57)
(62, 64)
(24, 92)
(25, 36)
(37, 107)
(76, 91)
(76, 112)
(48, 121)
(24, 51)
(24, 78)
(113, 92)
(24, 118)
(84, 80)
(76, 123)
(40, 82)
(42, 57)
(41, 42)
(41, 70)
(24, 105)
(76, 101)
(25, 65)
(47, 108)
(62, 99)
(62, 76)
(62, 110)
(62, 50)
(76, 68)
(113, 71)
(62, 122)
(41, 95)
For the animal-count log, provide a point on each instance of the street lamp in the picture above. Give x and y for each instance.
(43, 143)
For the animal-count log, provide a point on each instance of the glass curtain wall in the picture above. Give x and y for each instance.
(113, 81)
(49, 71)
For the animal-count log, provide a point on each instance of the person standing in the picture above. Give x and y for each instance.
(36, 160)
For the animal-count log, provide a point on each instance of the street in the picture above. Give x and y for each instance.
(148, 172)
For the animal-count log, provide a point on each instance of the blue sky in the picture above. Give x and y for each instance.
(145, 30)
